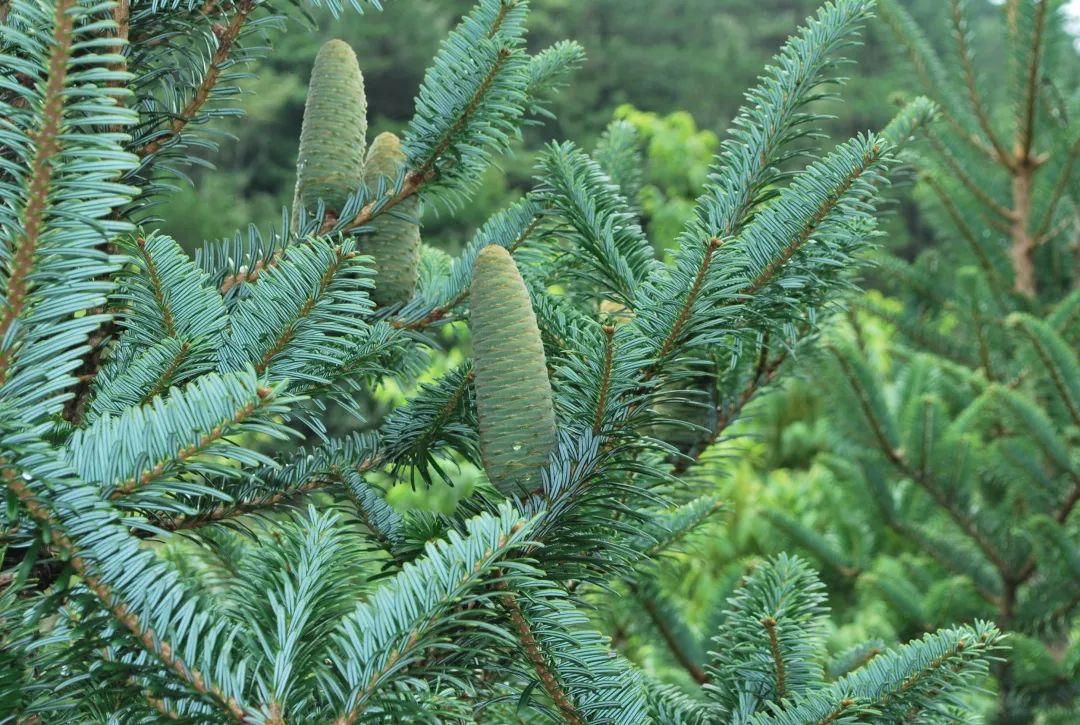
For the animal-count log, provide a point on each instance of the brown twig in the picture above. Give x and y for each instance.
(778, 657)
(605, 378)
(535, 655)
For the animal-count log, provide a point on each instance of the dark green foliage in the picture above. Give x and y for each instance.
(330, 165)
(155, 563)
(965, 436)
(513, 396)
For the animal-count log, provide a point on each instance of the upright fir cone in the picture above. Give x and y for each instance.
(333, 139)
(513, 393)
(395, 243)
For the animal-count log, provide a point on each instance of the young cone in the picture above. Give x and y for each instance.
(330, 165)
(513, 394)
(395, 243)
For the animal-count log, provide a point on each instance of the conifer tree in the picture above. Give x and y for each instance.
(169, 555)
(967, 444)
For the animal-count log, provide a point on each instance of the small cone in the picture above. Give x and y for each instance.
(513, 394)
(395, 243)
(330, 165)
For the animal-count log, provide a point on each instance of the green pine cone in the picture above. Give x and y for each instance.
(513, 394)
(395, 243)
(330, 165)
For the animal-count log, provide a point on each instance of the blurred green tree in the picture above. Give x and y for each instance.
(958, 444)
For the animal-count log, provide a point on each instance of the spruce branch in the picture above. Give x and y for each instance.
(332, 465)
(1025, 130)
(962, 36)
(675, 333)
(931, 73)
(61, 206)
(1059, 362)
(226, 37)
(766, 371)
(1044, 230)
(46, 145)
(773, 623)
(111, 599)
(152, 444)
(385, 637)
(510, 228)
(870, 158)
(605, 379)
(896, 457)
(895, 685)
(746, 171)
(977, 189)
(536, 658)
(965, 231)
(661, 620)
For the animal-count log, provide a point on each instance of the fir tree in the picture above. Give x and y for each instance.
(168, 555)
(967, 447)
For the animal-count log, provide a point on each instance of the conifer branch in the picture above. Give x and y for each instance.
(766, 275)
(415, 179)
(535, 655)
(225, 511)
(928, 68)
(841, 708)
(766, 371)
(1066, 391)
(960, 33)
(157, 286)
(897, 459)
(143, 635)
(973, 186)
(1025, 132)
(1043, 231)
(949, 564)
(605, 378)
(265, 397)
(46, 142)
(287, 333)
(683, 317)
(965, 231)
(779, 668)
(162, 383)
(426, 169)
(439, 312)
(226, 38)
(255, 501)
(121, 14)
(660, 621)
